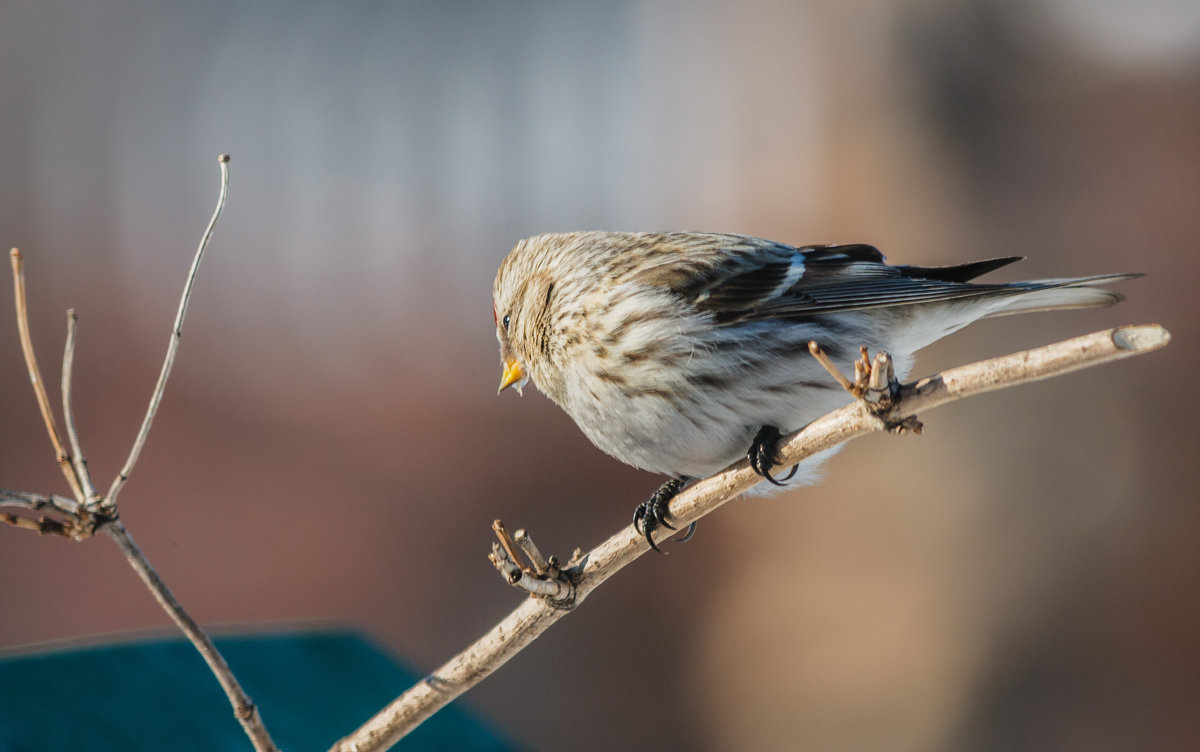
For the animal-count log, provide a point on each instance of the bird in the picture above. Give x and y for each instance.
(680, 353)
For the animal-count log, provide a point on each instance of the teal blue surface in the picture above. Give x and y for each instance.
(311, 688)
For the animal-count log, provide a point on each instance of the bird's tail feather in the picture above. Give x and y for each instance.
(1060, 294)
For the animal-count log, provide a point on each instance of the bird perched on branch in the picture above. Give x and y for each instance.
(680, 353)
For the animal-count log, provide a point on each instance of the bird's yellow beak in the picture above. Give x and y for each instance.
(514, 375)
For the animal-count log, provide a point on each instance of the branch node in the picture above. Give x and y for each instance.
(577, 559)
(542, 578)
(904, 426)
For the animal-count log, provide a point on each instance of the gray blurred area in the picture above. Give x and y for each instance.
(1026, 575)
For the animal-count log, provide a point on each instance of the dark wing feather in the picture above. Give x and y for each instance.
(841, 254)
(858, 280)
(853, 295)
(836, 278)
(739, 278)
(959, 272)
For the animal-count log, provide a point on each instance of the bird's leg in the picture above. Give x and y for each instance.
(763, 455)
(653, 512)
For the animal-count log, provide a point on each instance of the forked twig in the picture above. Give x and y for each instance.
(541, 577)
(118, 483)
(82, 517)
(535, 615)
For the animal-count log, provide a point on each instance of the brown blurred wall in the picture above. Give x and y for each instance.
(331, 450)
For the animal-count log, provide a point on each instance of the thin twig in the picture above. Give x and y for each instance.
(110, 499)
(69, 520)
(506, 540)
(833, 370)
(541, 565)
(41, 525)
(80, 462)
(35, 375)
(534, 615)
(243, 707)
(35, 502)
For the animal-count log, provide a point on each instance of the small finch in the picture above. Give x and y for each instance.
(680, 353)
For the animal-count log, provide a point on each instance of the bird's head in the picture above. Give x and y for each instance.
(521, 300)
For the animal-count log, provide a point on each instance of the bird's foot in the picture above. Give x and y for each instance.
(653, 512)
(764, 454)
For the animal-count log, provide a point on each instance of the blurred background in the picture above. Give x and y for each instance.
(1026, 575)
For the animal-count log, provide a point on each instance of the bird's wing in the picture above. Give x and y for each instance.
(736, 278)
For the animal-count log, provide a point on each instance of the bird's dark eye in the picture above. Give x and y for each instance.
(505, 321)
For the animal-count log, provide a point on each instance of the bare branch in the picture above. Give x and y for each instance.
(79, 461)
(243, 708)
(36, 502)
(118, 483)
(41, 526)
(534, 615)
(69, 520)
(82, 518)
(35, 375)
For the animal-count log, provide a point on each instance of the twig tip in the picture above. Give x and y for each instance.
(1138, 338)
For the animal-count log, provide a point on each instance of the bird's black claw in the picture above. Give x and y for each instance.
(653, 512)
(763, 456)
